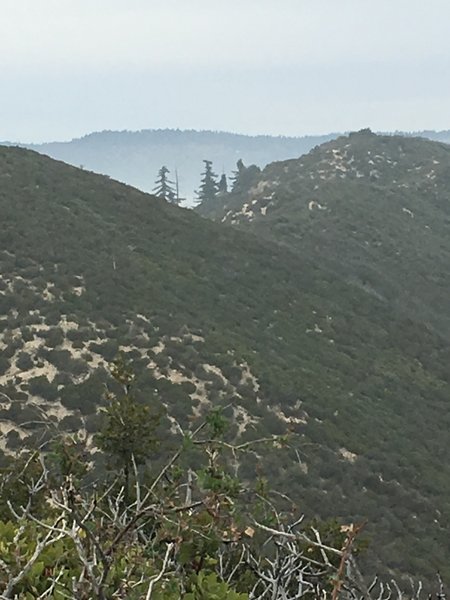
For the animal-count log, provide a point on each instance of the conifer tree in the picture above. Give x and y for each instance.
(222, 187)
(244, 177)
(240, 168)
(164, 187)
(208, 186)
(128, 434)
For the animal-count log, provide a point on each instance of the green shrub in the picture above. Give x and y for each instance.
(71, 423)
(24, 362)
(54, 337)
(210, 587)
(40, 386)
(4, 364)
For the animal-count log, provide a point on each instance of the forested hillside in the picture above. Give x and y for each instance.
(211, 316)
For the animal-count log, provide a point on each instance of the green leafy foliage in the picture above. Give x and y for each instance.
(208, 587)
(18, 544)
(185, 531)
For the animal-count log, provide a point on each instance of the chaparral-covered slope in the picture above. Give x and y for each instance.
(210, 315)
(375, 209)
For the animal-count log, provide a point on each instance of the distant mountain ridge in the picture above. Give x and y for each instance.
(134, 157)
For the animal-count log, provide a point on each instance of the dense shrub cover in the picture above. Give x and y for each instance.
(307, 347)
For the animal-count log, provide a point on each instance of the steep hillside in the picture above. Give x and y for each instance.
(210, 315)
(375, 209)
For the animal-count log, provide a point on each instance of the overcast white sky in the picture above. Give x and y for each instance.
(290, 67)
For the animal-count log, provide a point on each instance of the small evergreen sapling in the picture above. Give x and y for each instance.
(128, 435)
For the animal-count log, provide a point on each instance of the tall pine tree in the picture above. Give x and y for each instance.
(208, 186)
(164, 187)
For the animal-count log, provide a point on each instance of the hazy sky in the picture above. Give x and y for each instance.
(291, 67)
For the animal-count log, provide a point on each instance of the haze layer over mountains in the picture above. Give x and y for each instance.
(135, 157)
